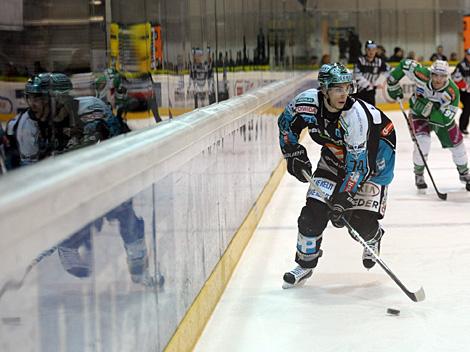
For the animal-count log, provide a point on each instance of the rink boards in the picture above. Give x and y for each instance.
(173, 196)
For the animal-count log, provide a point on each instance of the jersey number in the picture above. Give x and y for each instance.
(358, 166)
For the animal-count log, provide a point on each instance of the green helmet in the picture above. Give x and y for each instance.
(48, 84)
(331, 74)
(38, 84)
(60, 84)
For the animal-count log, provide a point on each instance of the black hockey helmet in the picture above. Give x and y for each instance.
(370, 44)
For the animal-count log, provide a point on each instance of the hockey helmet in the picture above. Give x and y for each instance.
(91, 108)
(38, 84)
(331, 74)
(48, 84)
(370, 44)
(100, 82)
(440, 67)
(60, 84)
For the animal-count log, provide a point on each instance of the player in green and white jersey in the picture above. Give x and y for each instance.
(433, 106)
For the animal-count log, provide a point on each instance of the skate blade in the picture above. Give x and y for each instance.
(287, 285)
(422, 191)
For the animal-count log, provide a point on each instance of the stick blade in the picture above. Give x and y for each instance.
(442, 196)
(418, 296)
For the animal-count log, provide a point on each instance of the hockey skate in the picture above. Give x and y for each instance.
(368, 260)
(420, 183)
(465, 178)
(296, 277)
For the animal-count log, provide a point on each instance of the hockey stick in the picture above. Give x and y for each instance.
(442, 196)
(13, 284)
(417, 296)
(3, 168)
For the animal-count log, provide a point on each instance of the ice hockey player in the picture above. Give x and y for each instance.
(367, 71)
(98, 121)
(76, 252)
(201, 79)
(37, 133)
(356, 165)
(433, 106)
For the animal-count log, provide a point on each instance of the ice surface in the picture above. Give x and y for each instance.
(343, 306)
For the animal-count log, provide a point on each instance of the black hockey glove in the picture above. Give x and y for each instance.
(297, 160)
(341, 203)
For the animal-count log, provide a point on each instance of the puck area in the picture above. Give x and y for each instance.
(392, 311)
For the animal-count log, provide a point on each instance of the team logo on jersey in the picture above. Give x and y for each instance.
(306, 108)
(370, 189)
(380, 164)
(387, 129)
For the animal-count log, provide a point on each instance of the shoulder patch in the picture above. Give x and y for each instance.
(387, 129)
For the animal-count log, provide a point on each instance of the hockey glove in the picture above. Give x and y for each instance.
(422, 107)
(341, 203)
(395, 91)
(297, 160)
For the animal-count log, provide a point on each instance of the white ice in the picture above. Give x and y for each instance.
(342, 307)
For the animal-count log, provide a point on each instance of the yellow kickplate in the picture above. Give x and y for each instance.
(193, 323)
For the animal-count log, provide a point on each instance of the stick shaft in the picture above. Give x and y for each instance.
(442, 196)
(414, 296)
